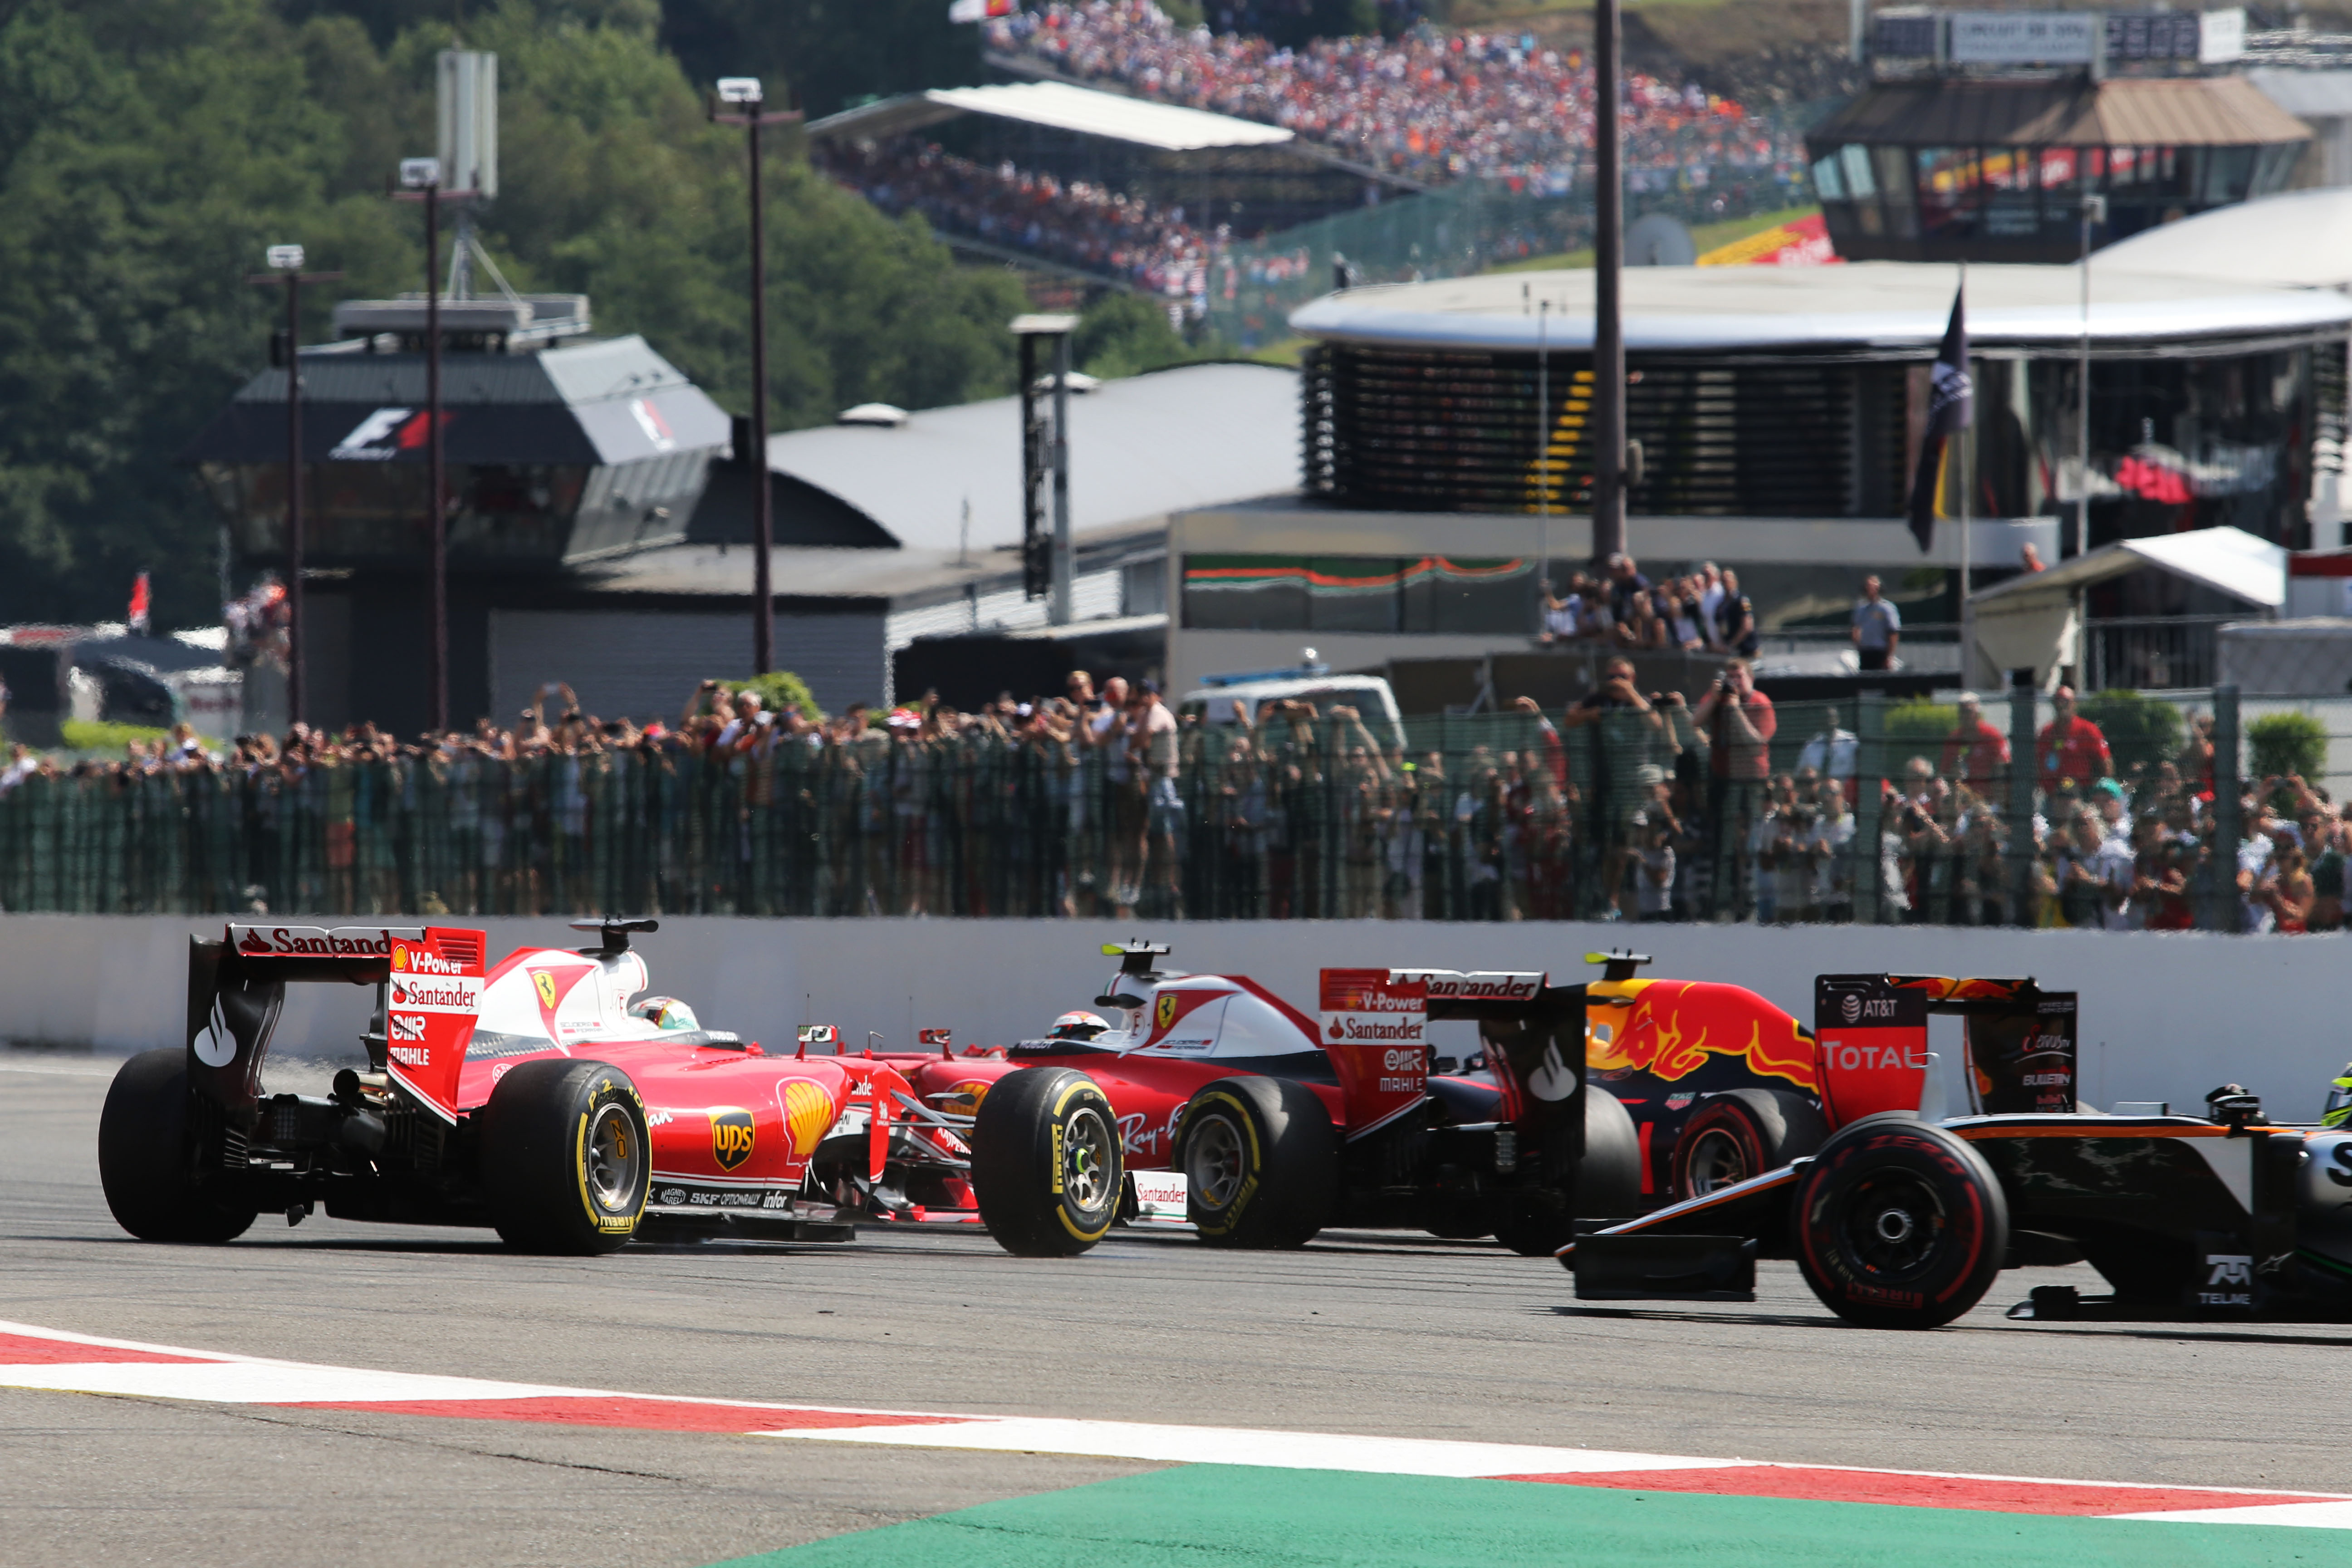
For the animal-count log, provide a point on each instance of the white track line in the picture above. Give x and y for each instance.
(216, 1377)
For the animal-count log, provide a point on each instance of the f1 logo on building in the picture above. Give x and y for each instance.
(386, 434)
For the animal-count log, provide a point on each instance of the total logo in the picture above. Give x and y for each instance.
(386, 434)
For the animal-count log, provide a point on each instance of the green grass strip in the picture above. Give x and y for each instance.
(1214, 1516)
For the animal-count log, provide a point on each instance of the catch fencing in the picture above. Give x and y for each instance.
(1868, 812)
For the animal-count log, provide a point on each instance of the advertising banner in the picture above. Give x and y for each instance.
(2026, 37)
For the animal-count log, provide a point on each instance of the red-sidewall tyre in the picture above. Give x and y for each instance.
(1260, 1163)
(1900, 1224)
(1743, 1134)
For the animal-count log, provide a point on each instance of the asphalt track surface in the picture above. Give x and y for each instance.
(1361, 1332)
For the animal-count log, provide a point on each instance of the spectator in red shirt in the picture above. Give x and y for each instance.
(1975, 751)
(2070, 746)
(1739, 721)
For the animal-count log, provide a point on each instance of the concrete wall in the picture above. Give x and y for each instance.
(2165, 1017)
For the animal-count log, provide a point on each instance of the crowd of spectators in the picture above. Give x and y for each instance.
(1075, 222)
(1429, 105)
(1103, 801)
(1703, 611)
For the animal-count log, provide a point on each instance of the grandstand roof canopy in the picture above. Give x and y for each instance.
(2127, 111)
(2296, 239)
(1898, 309)
(1058, 106)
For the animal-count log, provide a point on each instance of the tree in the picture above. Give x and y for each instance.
(148, 153)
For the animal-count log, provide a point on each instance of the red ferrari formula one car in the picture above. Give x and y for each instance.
(547, 1097)
(1281, 1124)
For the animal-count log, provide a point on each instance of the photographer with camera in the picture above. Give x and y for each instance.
(1739, 723)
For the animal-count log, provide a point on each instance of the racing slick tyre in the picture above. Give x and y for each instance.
(1743, 1134)
(146, 1163)
(1899, 1223)
(566, 1163)
(1260, 1163)
(1606, 1184)
(1046, 1164)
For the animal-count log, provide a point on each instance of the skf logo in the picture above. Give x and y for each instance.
(1164, 1013)
(544, 984)
(386, 434)
(2229, 1269)
(731, 1137)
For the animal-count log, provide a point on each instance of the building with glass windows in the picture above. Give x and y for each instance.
(1779, 412)
(1959, 168)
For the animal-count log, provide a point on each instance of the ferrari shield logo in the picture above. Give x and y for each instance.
(1164, 1014)
(732, 1133)
(545, 983)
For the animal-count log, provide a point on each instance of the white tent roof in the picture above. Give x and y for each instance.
(2300, 239)
(1058, 106)
(2227, 559)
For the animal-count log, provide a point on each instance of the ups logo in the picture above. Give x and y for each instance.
(732, 1135)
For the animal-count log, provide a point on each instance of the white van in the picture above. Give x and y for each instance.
(1369, 695)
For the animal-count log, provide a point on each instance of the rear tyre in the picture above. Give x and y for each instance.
(1743, 1134)
(1260, 1163)
(1900, 1224)
(1606, 1184)
(566, 1163)
(146, 1162)
(1046, 1169)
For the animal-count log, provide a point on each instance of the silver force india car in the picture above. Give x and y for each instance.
(1903, 1218)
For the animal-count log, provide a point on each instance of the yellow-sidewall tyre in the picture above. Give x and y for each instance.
(1046, 1163)
(566, 1161)
(1260, 1163)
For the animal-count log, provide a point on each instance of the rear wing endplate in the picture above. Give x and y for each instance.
(236, 990)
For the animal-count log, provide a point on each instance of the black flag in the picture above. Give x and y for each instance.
(1950, 410)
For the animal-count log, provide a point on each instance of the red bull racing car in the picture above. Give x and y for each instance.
(1904, 1217)
(546, 1096)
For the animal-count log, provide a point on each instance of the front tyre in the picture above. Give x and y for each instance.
(1900, 1224)
(566, 1163)
(1260, 1163)
(1046, 1169)
(146, 1162)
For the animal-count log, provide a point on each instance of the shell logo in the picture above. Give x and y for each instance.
(963, 1098)
(808, 1113)
(399, 956)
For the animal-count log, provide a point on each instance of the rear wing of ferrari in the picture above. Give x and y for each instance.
(428, 982)
(1533, 1032)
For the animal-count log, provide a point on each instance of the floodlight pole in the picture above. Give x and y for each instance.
(2094, 210)
(425, 186)
(1608, 263)
(746, 91)
(286, 268)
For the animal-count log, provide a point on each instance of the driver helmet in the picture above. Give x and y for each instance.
(1078, 1026)
(664, 1012)
(2338, 1112)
